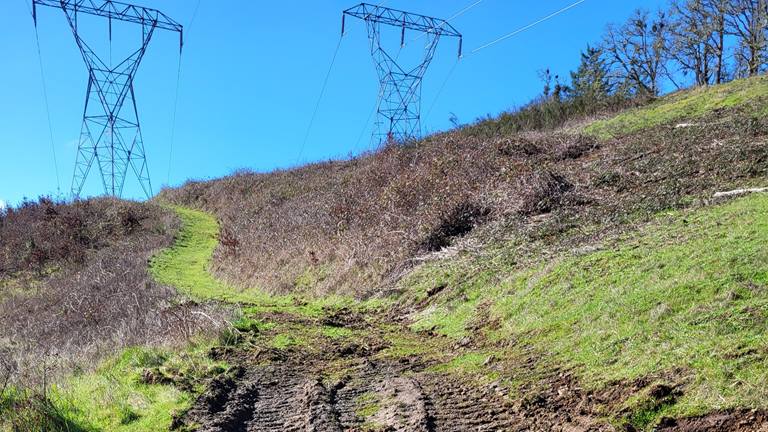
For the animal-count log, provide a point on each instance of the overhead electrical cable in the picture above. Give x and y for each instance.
(500, 39)
(47, 104)
(522, 29)
(319, 99)
(176, 98)
(452, 17)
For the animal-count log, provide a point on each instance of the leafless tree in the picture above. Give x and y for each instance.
(638, 52)
(716, 12)
(693, 39)
(747, 20)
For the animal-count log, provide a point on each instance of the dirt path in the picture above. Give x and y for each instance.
(346, 366)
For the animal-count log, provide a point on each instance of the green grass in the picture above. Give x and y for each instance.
(689, 291)
(185, 265)
(687, 105)
(115, 397)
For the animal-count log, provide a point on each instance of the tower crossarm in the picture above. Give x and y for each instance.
(114, 10)
(402, 19)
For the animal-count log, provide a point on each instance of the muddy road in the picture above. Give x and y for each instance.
(382, 377)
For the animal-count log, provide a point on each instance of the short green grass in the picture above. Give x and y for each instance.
(185, 265)
(114, 397)
(687, 105)
(689, 291)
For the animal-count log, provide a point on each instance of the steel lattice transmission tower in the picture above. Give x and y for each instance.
(399, 109)
(111, 135)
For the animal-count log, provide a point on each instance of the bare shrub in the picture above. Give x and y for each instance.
(542, 192)
(95, 295)
(457, 223)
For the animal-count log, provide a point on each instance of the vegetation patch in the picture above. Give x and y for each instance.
(689, 291)
(687, 105)
(139, 390)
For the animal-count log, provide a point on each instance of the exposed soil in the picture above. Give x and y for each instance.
(728, 421)
(343, 385)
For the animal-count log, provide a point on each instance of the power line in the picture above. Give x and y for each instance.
(47, 104)
(176, 98)
(319, 99)
(463, 11)
(440, 90)
(522, 29)
(453, 17)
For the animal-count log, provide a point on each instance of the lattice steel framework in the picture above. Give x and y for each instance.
(110, 135)
(399, 109)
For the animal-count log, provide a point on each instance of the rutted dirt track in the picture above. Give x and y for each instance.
(342, 387)
(286, 398)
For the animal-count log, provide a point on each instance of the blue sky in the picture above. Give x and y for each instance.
(251, 74)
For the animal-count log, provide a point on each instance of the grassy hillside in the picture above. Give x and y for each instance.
(684, 297)
(750, 96)
(574, 278)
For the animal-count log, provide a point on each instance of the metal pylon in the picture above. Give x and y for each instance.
(399, 110)
(110, 135)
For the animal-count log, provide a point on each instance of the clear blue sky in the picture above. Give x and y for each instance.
(251, 74)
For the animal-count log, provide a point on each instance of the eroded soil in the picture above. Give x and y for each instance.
(381, 377)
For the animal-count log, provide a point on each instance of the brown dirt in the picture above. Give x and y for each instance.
(332, 385)
(725, 421)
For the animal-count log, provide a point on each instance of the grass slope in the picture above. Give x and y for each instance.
(688, 105)
(687, 292)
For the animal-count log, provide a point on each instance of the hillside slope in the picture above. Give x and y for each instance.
(587, 275)
(581, 279)
(354, 227)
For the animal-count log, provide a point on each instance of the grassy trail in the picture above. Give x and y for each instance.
(185, 265)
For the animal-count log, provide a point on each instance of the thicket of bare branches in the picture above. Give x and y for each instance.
(692, 42)
(74, 287)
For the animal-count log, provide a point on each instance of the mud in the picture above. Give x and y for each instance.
(726, 421)
(331, 385)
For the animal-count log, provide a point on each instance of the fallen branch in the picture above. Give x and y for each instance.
(737, 192)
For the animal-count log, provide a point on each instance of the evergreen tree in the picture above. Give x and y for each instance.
(590, 80)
